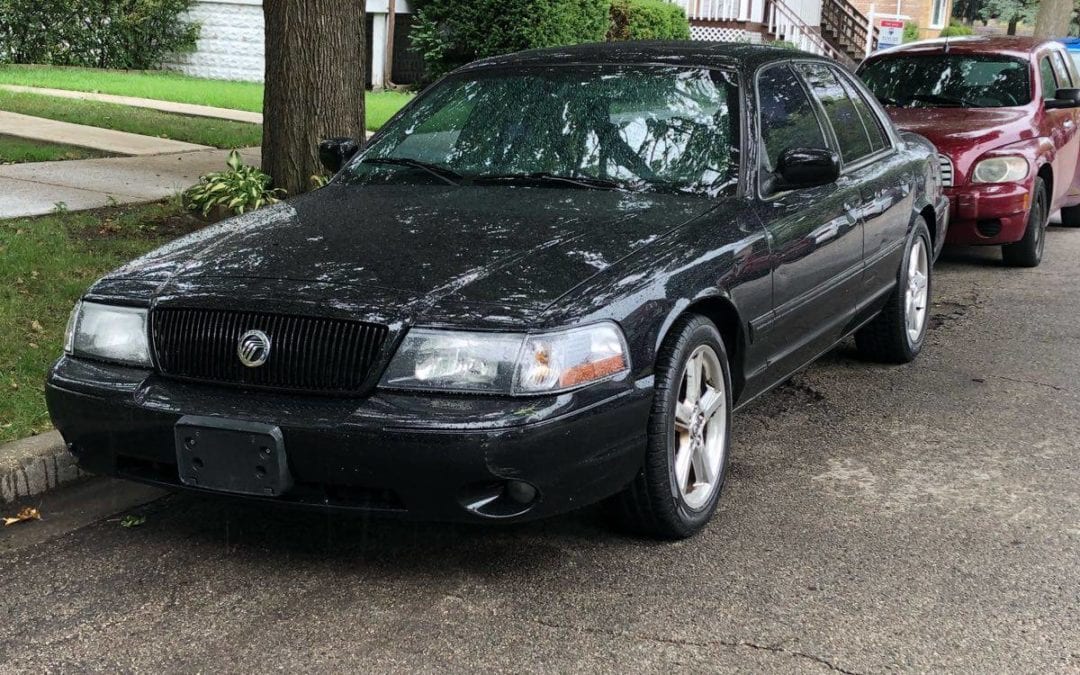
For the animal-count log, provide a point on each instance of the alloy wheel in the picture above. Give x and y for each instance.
(700, 427)
(917, 294)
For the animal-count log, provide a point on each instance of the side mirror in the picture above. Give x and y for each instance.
(335, 152)
(1064, 98)
(806, 167)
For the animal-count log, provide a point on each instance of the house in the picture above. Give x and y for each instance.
(841, 29)
(231, 42)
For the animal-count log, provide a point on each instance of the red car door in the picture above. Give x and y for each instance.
(1060, 126)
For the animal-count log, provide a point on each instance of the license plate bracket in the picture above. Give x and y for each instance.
(232, 456)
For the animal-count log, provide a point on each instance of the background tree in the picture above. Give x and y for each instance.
(1054, 18)
(315, 60)
(1012, 12)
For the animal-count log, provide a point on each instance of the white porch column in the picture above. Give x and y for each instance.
(378, 50)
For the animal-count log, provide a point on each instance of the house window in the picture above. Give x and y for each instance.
(937, 13)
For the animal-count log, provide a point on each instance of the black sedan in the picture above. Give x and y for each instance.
(549, 280)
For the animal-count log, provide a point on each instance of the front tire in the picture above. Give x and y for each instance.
(1028, 252)
(898, 333)
(677, 490)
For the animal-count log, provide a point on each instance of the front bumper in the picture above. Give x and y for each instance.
(425, 457)
(988, 214)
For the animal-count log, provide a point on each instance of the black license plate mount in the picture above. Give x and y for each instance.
(232, 456)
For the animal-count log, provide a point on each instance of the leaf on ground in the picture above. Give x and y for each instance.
(132, 521)
(28, 513)
(35, 326)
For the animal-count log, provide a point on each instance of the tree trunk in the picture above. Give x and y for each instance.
(1053, 18)
(315, 61)
(1011, 30)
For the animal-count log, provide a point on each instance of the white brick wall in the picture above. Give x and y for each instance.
(230, 43)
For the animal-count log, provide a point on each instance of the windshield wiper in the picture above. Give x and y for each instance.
(588, 182)
(441, 172)
(937, 98)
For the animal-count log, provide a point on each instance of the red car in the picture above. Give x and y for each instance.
(1003, 113)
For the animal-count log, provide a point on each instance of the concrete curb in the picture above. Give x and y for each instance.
(35, 465)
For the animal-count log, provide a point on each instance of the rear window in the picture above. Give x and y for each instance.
(948, 81)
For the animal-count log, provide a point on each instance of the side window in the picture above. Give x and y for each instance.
(1062, 70)
(871, 122)
(840, 111)
(787, 117)
(1049, 82)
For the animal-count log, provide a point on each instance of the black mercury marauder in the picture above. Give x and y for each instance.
(549, 280)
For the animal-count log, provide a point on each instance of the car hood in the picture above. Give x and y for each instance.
(411, 245)
(966, 128)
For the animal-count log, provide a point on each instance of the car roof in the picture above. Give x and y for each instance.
(740, 56)
(1021, 47)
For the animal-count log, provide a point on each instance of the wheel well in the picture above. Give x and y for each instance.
(931, 224)
(1047, 174)
(726, 318)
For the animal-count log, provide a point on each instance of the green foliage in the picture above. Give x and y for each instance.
(1011, 12)
(647, 20)
(98, 33)
(956, 29)
(911, 31)
(242, 188)
(450, 33)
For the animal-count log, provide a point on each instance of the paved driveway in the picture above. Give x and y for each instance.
(924, 517)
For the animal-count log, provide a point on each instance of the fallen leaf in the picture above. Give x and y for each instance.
(132, 521)
(28, 513)
(36, 326)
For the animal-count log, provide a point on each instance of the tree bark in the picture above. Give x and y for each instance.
(1053, 18)
(315, 61)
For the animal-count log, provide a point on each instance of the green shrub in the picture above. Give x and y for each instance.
(647, 20)
(129, 34)
(450, 33)
(911, 31)
(242, 188)
(956, 29)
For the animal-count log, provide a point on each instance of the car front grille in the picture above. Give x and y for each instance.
(306, 353)
(946, 171)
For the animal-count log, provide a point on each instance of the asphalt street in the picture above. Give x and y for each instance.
(917, 518)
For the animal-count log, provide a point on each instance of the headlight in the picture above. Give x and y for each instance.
(109, 333)
(1000, 170)
(507, 363)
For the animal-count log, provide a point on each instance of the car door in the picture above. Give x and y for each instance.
(814, 233)
(1070, 122)
(1060, 126)
(886, 182)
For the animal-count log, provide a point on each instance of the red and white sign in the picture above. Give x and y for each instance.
(891, 33)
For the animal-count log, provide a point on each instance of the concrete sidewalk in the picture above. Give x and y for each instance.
(107, 140)
(36, 188)
(163, 106)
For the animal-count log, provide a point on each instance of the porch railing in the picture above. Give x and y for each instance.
(784, 24)
(718, 10)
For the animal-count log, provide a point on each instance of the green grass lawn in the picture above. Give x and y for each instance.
(166, 86)
(201, 130)
(48, 262)
(14, 150)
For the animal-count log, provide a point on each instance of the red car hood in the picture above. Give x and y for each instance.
(964, 134)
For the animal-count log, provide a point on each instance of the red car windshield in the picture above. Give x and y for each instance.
(948, 81)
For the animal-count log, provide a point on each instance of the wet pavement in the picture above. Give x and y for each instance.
(922, 517)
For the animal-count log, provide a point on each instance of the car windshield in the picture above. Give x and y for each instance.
(589, 127)
(948, 80)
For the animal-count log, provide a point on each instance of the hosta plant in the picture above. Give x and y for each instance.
(240, 189)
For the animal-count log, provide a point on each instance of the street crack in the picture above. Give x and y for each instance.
(775, 649)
